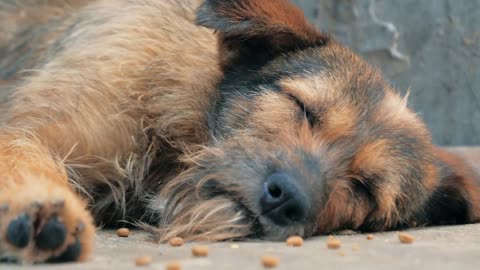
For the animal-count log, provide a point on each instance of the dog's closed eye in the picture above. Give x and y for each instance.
(307, 113)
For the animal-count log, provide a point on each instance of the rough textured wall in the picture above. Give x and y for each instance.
(429, 46)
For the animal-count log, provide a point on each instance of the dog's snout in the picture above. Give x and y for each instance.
(282, 201)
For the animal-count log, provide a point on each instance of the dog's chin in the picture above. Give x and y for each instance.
(273, 232)
(262, 228)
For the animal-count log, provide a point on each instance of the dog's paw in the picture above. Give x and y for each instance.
(53, 226)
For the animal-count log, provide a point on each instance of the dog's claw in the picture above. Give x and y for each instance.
(80, 228)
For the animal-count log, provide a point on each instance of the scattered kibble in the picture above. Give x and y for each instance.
(333, 243)
(355, 247)
(174, 266)
(200, 251)
(406, 238)
(370, 236)
(295, 241)
(143, 261)
(123, 232)
(269, 261)
(176, 242)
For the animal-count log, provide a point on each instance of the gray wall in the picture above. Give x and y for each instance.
(429, 46)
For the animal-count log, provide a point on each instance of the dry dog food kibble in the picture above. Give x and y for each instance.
(333, 243)
(200, 251)
(370, 236)
(270, 261)
(143, 261)
(174, 266)
(176, 241)
(355, 247)
(295, 241)
(123, 232)
(406, 238)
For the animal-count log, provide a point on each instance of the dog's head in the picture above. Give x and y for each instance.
(307, 138)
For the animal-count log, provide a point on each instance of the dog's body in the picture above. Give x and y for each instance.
(269, 128)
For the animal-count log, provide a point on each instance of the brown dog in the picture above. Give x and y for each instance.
(267, 128)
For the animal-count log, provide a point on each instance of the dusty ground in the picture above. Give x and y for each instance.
(455, 247)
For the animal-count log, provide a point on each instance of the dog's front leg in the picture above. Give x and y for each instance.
(68, 113)
(41, 218)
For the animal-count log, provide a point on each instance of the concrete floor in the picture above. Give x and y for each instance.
(453, 247)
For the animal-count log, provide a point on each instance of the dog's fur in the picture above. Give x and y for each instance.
(151, 113)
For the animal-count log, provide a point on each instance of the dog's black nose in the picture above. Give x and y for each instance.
(282, 201)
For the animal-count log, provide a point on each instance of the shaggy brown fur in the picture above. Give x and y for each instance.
(131, 110)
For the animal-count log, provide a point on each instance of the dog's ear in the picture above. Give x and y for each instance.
(456, 198)
(254, 31)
